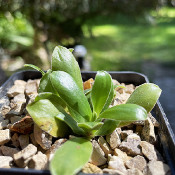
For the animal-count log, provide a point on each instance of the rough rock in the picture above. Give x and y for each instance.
(23, 141)
(31, 87)
(129, 88)
(38, 161)
(104, 146)
(17, 104)
(5, 161)
(4, 136)
(139, 129)
(8, 151)
(23, 157)
(88, 84)
(113, 140)
(20, 83)
(116, 163)
(122, 155)
(15, 140)
(15, 90)
(115, 82)
(148, 150)
(134, 171)
(5, 110)
(157, 168)
(98, 156)
(42, 138)
(153, 120)
(50, 152)
(3, 124)
(32, 139)
(15, 119)
(24, 126)
(32, 98)
(111, 171)
(138, 162)
(148, 133)
(125, 133)
(131, 145)
(91, 169)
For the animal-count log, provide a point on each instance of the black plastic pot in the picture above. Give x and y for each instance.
(165, 133)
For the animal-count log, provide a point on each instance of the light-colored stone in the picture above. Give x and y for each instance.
(15, 119)
(113, 140)
(24, 126)
(98, 156)
(23, 141)
(134, 171)
(20, 83)
(15, 140)
(31, 87)
(129, 88)
(91, 169)
(32, 98)
(125, 133)
(148, 150)
(15, 90)
(42, 138)
(153, 120)
(3, 124)
(23, 157)
(131, 145)
(58, 143)
(138, 162)
(8, 151)
(5, 161)
(116, 163)
(32, 139)
(104, 146)
(111, 171)
(122, 155)
(4, 136)
(157, 168)
(38, 161)
(148, 133)
(5, 110)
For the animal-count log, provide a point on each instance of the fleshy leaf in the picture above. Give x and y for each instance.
(107, 128)
(100, 91)
(63, 60)
(146, 95)
(71, 157)
(43, 112)
(45, 84)
(88, 126)
(70, 92)
(71, 123)
(35, 67)
(125, 112)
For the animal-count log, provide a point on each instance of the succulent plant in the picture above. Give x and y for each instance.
(63, 107)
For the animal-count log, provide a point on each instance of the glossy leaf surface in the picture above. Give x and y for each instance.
(146, 95)
(100, 91)
(35, 68)
(70, 92)
(125, 112)
(63, 60)
(71, 157)
(108, 127)
(88, 126)
(43, 112)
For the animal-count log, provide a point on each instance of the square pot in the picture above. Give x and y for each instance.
(165, 133)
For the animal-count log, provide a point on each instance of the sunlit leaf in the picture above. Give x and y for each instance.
(100, 91)
(88, 126)
(125, 112)
(63, 60)
(70, 92)
(71, 157)
(146, 95)
(35, 67)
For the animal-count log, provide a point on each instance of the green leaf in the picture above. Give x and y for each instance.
(70, 92)
(107, 128)
(35, 67)
(63, 60)
(100, 91)
(43, 112)
(125, 112)
(71, 157)
(71, 123)
(89, 126)
(146, 95)
(45, 84)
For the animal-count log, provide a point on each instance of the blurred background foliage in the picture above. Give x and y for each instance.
(133, 35)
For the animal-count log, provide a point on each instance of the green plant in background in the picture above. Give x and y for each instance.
(62, 107)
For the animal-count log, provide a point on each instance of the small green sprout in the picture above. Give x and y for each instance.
(62, 107)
